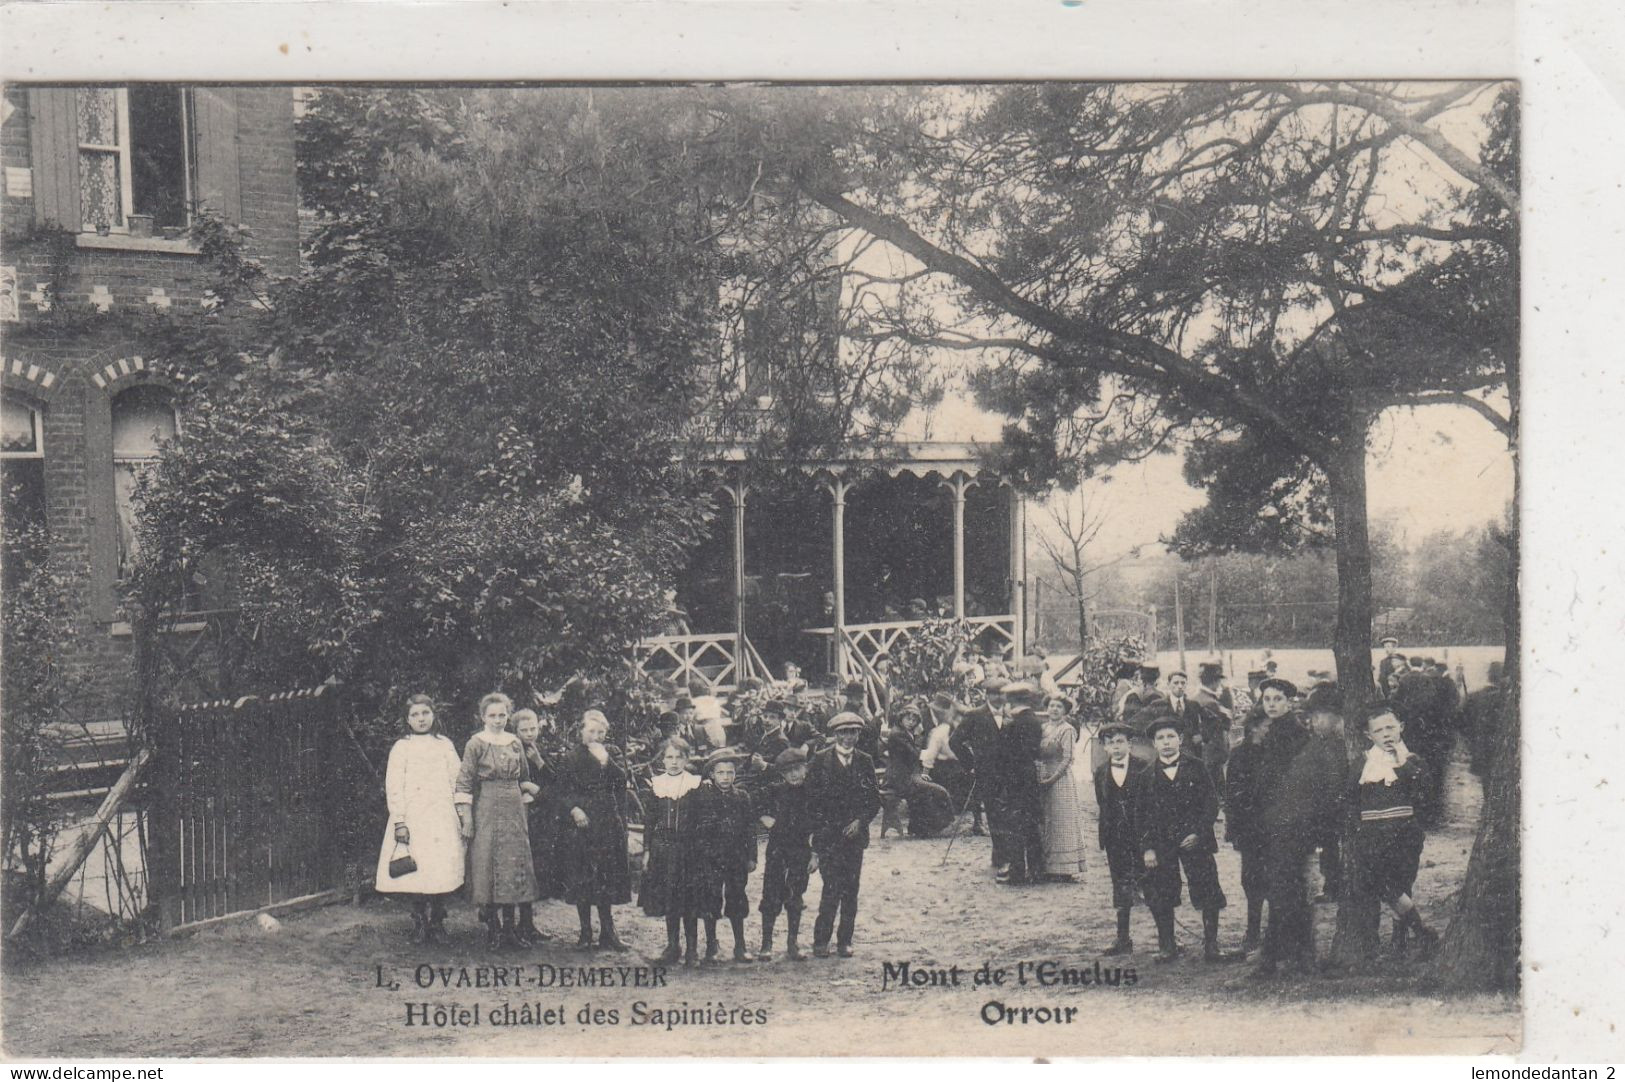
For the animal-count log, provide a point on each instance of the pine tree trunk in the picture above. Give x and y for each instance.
(1483, 945)
(1358, 915)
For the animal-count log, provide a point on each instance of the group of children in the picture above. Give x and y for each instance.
(700, 837)
(505, 821)
(1286, 788)
(532, 827)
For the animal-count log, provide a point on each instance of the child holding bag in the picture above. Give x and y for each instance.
(422, 853)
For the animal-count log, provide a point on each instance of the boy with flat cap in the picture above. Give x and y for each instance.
(787, 815)
(1176, 831)
(844, 798)
(1120, 786)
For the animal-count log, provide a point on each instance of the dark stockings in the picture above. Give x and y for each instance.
(1165, 929)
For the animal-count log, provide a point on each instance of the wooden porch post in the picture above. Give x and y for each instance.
(958, 483)
(1018, 570)
(837, 490)
(741, 654)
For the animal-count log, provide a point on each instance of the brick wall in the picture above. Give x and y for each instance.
(75, 399)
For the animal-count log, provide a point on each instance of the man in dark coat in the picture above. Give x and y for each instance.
(1424, 704)
(929, 807)
(854, 698)
(1146, 696)
(975, 744)
(1203, 733)
(1176, 832)
(1302, 797)
(1015, 784)
(1481, 717)
(1120, 786)
(844, 797)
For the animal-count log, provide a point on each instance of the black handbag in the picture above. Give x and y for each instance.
(401, 864)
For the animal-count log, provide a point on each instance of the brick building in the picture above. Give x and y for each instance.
(101, 183)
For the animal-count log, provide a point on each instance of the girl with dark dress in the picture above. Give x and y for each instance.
(592, 789)
(667, 889)
(490, 788)
(542, 819)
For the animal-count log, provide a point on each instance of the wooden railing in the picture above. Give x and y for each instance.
(709, 660)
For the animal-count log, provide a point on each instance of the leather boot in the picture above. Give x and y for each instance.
(1167, 946)
(766, 953)
(792, 949)
(1123, 944)
(1210, 937)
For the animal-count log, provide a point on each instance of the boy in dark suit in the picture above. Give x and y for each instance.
(1120, 785)
(1176, 831)
(727, 840)
(788, 819)
(844, 798)
(1388, 841)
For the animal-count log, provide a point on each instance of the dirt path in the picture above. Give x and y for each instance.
(313, 989)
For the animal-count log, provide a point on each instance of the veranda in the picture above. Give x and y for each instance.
(828, 565)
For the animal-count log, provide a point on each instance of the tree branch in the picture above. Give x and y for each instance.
(1130, 355)
(1501, 422)
(1442, 148)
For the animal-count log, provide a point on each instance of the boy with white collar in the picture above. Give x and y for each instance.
(1388, 842)
(1176, 831)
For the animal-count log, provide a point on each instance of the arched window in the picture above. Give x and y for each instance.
(22, 477)
(143, 419)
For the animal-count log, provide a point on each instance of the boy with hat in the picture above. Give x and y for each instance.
(787, 816)
(1120, 786)
(1176, 831)
(844, 798)
(726, 828)
(1392, 659)
(773, 738)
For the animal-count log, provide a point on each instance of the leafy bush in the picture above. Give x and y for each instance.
(923, 660)
(1097, 676)
(37, 632)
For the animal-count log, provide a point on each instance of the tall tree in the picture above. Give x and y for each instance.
(1254, 270)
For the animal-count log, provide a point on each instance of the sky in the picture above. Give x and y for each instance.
(1439, 468)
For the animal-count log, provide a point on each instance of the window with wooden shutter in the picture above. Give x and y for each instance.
(104, 153)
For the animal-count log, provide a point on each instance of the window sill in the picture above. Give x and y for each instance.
(122, 242)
